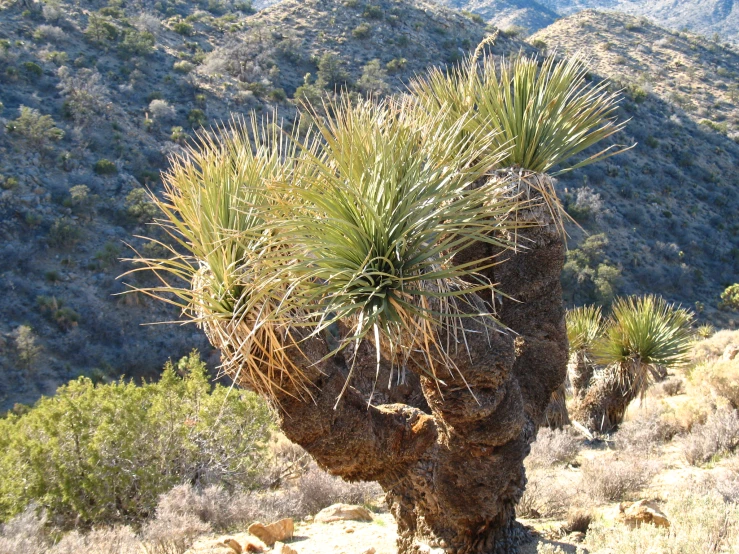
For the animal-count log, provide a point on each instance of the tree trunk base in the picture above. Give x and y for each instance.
(497, 537)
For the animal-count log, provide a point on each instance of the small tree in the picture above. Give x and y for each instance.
(331, 71)
(26, 346)
(36, 129)
(373, 81)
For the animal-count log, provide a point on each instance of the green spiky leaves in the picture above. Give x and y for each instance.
(355, 228)
(542, 113)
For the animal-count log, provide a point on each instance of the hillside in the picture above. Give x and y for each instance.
(508, 14)
(704, 17)
(668, 206)
(113, 88)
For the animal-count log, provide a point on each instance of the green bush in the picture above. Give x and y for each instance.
(32, 70)
(105, 167)
(183, 28)
(196, 117)
(104, 453)
(730, 297)
(362, 31)
(36, 129)
(139, 206)
(64, 233)
(137, 43)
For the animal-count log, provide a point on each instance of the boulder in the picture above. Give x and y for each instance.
(635, 514)
(274, 532)
(343, 512)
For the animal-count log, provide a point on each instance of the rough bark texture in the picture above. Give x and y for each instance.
(450, 456)
(556, 415)
(603, 406)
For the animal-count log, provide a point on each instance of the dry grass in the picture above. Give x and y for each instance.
(700, 523)
(714, 346)
(548, 494)
(24, 533)
(106, 540)
(553, 447)
(718, 436)
(615, 479)
(720, 379)
(647, 432)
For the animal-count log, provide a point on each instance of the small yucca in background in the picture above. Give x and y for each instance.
(643, 336)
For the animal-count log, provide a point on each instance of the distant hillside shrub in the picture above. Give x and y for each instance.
(183, 28)
(36, 129)
(105, 167)
(104, 453)
(730, 297)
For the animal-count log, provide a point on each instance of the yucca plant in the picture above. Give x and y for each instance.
(643, 338)
(221, 267)
(382, 203)
(396, 237)
(543, 112)
(585, 325)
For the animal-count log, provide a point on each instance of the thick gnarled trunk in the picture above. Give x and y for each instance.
(449, 455)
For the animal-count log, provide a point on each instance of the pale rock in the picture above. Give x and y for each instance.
(370, 550)
(636, 513)
(730, 352)
(274, 532)
(343, 512)
(282, 548)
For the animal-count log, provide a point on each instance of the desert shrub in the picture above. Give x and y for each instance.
(718, 436)
(25, 533)
(714, 346)
(85, 94)
(396, 64)
(136, 43)
(196, 117)
(362, 31)
(373, 81)
(672, 387)
(26, 347)
(183, 66)
(183, 28)
(64, 233)
(104, 453)
(615, 479)
(55, 310)
(546, 495)
(700, 522)
(120, 539)
(588, 274)
(331, 72)
(719, 378)
(161, 109)
(578, 520)
(105, 167)
(319, 489)
(36, 129)
(172, 531)
(647, 432)
(50, 33)
(730, 297)
(139, 206)
(553, 447)
(100, 31)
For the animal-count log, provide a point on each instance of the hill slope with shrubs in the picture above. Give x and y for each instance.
(94, 97)
(660, 217)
